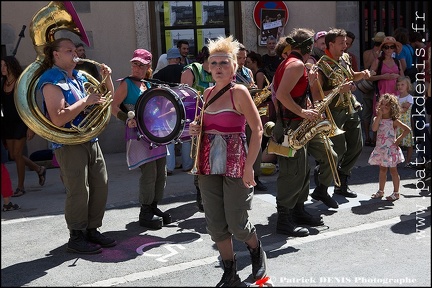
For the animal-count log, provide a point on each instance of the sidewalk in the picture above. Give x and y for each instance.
(122, 188)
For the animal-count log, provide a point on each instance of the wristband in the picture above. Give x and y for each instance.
(122, 116)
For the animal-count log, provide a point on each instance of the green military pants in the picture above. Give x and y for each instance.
(348, 146)
(152, 181)
(317, 149)
(294, 173)
(85, 178)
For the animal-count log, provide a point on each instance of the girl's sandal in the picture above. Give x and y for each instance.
(393, 197)
(378, 195)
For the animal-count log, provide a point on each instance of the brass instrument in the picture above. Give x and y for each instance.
(56, 16)
(196, 140)
(259, 96)
(308, 129)
(95, 111)
(337, 78)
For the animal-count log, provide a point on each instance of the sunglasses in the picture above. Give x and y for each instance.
(138, 64)
(386, 47)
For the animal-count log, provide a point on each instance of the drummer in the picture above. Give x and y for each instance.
(152, 162)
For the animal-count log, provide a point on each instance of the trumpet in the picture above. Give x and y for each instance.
(196, 140)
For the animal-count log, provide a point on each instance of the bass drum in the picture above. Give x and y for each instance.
(164, 113)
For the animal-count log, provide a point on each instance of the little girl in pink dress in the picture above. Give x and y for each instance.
(387, 153)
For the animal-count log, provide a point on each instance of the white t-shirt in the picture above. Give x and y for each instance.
(409, 98)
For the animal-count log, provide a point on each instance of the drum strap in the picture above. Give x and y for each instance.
(220, 93)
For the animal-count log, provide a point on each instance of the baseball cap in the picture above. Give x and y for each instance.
(320, 34)
(142, 56)
(173, 53)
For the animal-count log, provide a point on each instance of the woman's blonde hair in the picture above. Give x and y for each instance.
(224, 45)
(394, 104)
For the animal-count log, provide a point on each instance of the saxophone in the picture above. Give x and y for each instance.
(260, 96)
(309, 128)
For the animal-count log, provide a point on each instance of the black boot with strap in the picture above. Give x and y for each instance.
(343, 189)
(230, 278)
(148, 219)
(166, 217)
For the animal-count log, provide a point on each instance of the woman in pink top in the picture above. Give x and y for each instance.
(225, 161)
(387, 68)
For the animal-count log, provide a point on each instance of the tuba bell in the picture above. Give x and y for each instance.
(56, 16)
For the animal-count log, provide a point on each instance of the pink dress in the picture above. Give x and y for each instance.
(388, 85)
(386, 153)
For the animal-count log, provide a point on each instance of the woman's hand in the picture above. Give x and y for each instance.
(248, 177)
(94, 98)
(105, 70)
(194, 128)
(391, 76)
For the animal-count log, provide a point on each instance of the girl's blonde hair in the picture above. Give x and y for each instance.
(224, 45)
(394, 104)
(407, 81)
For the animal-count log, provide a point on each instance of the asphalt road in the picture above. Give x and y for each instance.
(365, 242)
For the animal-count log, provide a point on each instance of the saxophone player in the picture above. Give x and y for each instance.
(334, 69)
(291, 85)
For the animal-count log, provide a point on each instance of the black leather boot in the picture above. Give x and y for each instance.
(344, 189)
(259, 261)
(166, 217)
(93, 235)
(230, 278)
(148, 219)
(78, 244)
(320, 194)
(302, 217)
(285, 225)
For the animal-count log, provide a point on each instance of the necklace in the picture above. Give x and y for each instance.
(9, 83)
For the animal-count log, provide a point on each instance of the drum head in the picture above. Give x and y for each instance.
(160, 115)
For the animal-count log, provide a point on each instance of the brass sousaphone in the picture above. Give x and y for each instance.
(56, 16)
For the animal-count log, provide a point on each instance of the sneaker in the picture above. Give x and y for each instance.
(10, 206)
